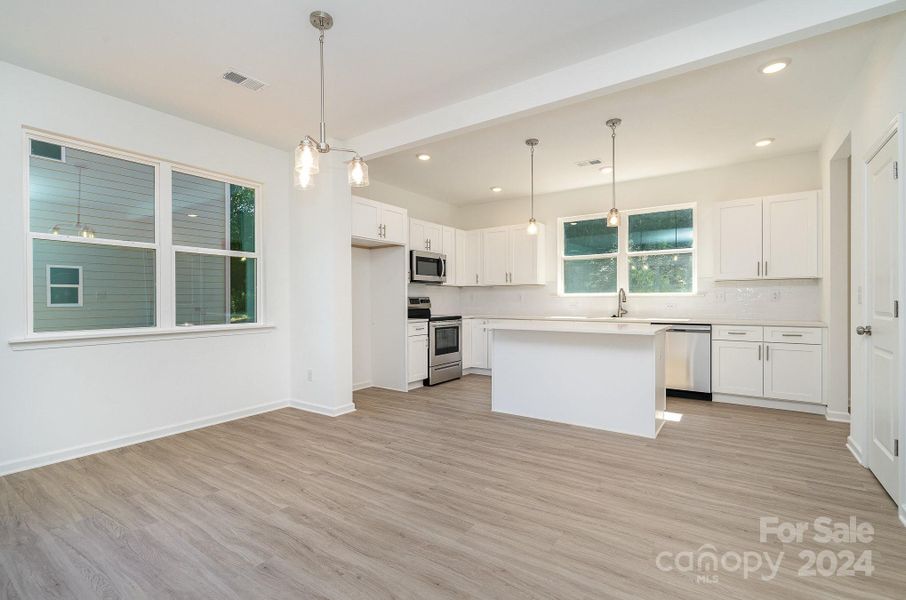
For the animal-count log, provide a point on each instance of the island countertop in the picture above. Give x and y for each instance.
(599, 327)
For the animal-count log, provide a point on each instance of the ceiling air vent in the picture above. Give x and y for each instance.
(589, 163)
(244, 80)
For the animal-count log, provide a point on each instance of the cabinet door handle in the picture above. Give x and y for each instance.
(379, 231)
(476, 277)
(765, 268)
(767, 353)
(759, 268)
(759, 351)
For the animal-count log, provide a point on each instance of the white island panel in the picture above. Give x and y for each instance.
(604, 376)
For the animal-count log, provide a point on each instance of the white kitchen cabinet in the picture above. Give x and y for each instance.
(466, 343)
(418, 358)
(736, 368)
(378, 222)
(425, 236)
(468, 258)
(526, 255)
(448, 236)
(790, 242)
(793, 372)
(738, 239)
(774, 237)
(479, 346)
(495, 244)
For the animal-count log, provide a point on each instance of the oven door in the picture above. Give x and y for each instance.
(428, 267)
(445, 342)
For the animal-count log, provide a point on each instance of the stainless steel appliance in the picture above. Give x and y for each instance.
(688, 360)
(444, 349)
(427, 267)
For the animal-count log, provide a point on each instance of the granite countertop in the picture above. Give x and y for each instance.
(678, 320)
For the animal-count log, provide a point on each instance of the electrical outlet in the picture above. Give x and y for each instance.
(670, 306)
(310, 375)
(721, 296)
(775, 296)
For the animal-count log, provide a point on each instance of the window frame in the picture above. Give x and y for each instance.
(623, 254)
(164, 249)
(50, 286)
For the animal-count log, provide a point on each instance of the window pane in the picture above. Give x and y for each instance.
(214, 290)
(592, 236)
(593, 276)
(92, 195)
(46, 149)
(64, 295)
(118, 286)
(64, 275)
(668, 230)
(200, 216)
(660, 273)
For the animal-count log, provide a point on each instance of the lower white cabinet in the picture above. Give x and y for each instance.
(418, 358)
(789, 370)
(476, 353)
(736, 368)
(792, 372)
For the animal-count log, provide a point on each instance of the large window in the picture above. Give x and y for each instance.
(652, 252)
(100, 260)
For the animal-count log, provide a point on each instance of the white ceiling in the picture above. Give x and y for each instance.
(386, 60)
(701, 119)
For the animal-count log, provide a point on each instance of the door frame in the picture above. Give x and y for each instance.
(860, 427)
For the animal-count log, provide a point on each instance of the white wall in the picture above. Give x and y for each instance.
(61, 402)
(797, 299)
(876, 97)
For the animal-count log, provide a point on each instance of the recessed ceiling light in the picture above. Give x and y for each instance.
(423, 156)
(764, 142)
(496, 189)
(775, 66)
(191, 215)
(606, 170)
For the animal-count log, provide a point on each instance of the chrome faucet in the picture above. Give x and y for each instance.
(621, 300)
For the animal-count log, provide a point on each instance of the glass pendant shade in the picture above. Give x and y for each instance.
(613, 218)
(86, 232)
(358, 172)
(532, 228)
(55, 230)
(304, 180)
(306, 157)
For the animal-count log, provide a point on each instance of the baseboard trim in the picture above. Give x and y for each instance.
(41, 460)
(854, 449)
(837, 416)
(815, 409)
(476, 371)
(321, 409)
(361, 386)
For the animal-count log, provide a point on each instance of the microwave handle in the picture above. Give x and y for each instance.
(443, 267)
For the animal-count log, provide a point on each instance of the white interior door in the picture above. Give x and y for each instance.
(882, 258)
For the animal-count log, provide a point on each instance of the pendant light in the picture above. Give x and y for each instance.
(532, 228)
(613, 215)
(81, 229)
(307, 152)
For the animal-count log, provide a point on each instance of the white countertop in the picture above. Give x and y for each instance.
(701, 320)
(572, 326)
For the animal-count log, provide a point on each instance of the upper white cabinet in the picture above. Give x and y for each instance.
(774, 237)
(468, 258)
(377, 222)
(512, 256)
(425, 236)
(790, 224)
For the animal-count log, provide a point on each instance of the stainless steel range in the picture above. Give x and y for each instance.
(444, 342)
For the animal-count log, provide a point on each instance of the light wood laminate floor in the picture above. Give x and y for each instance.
(430, 495)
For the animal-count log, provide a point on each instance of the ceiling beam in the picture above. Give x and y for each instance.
(756, 28)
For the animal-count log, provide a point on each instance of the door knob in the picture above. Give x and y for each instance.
(863, 330)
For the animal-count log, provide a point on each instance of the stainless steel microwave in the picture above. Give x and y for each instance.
(427, 267)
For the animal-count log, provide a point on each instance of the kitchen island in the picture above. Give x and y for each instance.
(602, 375)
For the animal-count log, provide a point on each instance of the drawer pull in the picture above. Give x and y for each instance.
(736, 332)
(791, 335)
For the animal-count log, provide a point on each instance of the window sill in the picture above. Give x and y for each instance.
(69, 340)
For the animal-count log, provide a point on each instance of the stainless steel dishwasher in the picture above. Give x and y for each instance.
(688, 360)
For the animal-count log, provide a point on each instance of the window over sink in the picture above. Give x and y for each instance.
(651, 252)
